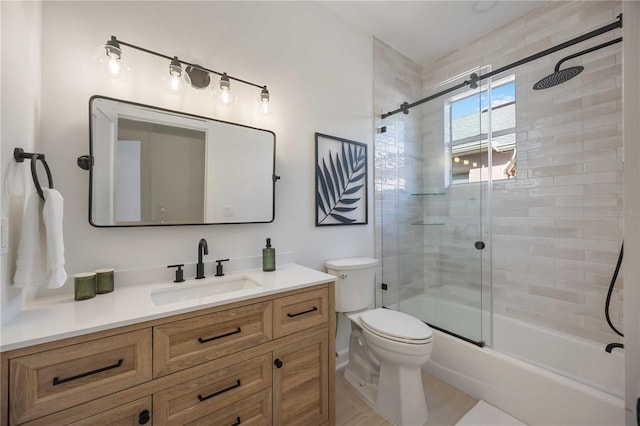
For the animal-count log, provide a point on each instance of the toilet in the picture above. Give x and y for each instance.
(386, 347)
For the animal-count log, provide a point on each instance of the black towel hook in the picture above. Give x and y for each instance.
(20, 155)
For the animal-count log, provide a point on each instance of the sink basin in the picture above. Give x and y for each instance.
(203, 288)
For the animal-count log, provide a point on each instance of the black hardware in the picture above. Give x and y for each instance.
(236, 331)
(479, 245)
(19, 155)
(199, 77)
(179, 273)
(238, 422)
(612, 346)
(202, 398)
(278, 363)
(610, 291)
(404, 108)
(203, 248)
(275, 178)
(384, 286)
(57, 381)
(219, 270)
(85, 162)
(303, 312)
(382, 129)
(144, 417)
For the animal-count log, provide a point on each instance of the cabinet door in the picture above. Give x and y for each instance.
(301, 382)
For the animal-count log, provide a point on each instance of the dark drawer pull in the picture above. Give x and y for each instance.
(202, 398)
(238, 422)
(303, 312)
(201, 340)
(57, 381)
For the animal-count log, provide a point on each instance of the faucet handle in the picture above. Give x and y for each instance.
(179, 272)
(219, 271)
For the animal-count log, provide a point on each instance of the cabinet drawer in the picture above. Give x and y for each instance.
(254, 410)
(57, 379)
(134, 413)
(210, 392)
(128, 414)
(300, 311)
(182, 344)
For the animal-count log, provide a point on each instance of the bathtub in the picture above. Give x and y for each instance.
(572, 381)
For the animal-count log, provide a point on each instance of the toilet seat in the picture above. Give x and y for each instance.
(396, 326)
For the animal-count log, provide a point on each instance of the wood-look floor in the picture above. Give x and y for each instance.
(445, 403)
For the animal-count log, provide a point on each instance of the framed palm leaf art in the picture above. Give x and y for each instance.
(341, 181)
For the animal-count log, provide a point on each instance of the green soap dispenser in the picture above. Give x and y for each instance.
(268, 257)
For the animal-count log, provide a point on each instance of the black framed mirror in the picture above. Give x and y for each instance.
(151, 166)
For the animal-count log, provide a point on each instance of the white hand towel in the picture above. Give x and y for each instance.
(31, 263)
(52, 218)
(41, 249)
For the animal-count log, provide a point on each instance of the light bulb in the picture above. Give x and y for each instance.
(465, 162)
(223, 93)
(225, 96)
(266, 103)
(113, 62)
(114, 66)
(175, 80)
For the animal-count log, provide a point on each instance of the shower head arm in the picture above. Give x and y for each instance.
(584, 52)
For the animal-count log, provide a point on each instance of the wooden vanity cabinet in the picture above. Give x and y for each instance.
(264, 361)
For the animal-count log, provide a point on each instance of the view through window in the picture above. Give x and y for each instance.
(467, 133)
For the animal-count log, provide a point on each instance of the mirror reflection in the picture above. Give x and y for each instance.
(153, 166)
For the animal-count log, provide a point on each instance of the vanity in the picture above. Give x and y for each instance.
(259, 351)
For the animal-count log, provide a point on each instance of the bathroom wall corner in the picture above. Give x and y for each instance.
(20, 78)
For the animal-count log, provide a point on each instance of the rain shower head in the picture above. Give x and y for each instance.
(560, 76)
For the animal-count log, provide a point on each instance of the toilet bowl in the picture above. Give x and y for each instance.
(386, 348)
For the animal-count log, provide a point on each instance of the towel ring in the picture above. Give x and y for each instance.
(34, 173)
(20, 155)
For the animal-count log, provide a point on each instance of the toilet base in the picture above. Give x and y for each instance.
(405, 408)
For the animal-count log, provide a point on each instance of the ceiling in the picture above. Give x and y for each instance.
(427, 30)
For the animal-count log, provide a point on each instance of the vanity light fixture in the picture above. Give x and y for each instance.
(181, 74)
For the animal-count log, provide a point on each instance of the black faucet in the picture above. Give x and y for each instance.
(202, 249)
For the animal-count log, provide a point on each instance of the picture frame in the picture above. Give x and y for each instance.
(341, 181)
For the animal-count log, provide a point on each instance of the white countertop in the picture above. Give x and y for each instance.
(56, 318)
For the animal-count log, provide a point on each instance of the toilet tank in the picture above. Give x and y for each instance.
(355, 282)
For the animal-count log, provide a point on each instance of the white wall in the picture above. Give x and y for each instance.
(318, 70)
(20, 107)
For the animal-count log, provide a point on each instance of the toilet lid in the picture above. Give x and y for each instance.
(396, 325)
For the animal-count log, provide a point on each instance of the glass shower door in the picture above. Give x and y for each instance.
(440, 236)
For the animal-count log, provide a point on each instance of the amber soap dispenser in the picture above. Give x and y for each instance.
(268, 257)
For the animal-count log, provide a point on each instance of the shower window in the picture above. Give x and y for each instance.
(467, 137)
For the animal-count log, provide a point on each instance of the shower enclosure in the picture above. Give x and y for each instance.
(499, 207)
